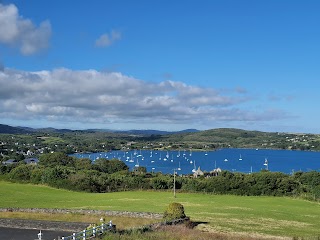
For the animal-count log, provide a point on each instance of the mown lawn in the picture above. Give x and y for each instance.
(277, 216)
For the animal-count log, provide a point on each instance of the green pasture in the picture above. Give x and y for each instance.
(276, 216)
(52, 140)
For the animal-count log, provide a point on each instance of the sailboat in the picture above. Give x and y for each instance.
(179, 168)
(139, 155)
(240, 158)
(137, 164)
(194, 167)
(131, 160)
(266, 163)
(226, 160)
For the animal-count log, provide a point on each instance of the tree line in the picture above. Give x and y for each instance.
(62, 171)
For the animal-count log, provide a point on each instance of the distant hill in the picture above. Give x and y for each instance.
(12, 130)
(149, 132)
(53, 130)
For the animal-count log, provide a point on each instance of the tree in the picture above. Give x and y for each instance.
(21, 172)
(83, 164)
(109, 166)
(56, 159)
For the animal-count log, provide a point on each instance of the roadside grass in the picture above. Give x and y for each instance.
(268, 216)
(181, 232)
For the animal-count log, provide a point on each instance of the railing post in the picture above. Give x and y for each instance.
(102, 227)
(84, 235)
(40, 235)
(94, 231)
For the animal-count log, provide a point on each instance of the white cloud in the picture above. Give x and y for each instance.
(98, 97)
(107, 39)
(18, 31)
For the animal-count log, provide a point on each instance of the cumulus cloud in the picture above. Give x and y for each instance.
(107, 39)
(102, 97)
(21, 32)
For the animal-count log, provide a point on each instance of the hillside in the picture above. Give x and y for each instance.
(238, 138)
(12, 130)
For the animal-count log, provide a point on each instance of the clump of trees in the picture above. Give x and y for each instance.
(62, 171)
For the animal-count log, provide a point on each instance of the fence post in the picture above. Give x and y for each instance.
(94, 231)
(40, 235)
(84, 235)
(102, 227)
(74, 236)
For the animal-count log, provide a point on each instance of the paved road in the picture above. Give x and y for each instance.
(29, 234)
(23, 229)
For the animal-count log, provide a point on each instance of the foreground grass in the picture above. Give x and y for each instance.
(181, 232)
(273, 216)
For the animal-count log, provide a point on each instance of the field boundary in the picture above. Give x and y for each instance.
(86, 211)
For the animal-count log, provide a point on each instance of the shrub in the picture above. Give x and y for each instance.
(174, 211)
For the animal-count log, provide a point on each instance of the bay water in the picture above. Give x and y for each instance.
(231, 159)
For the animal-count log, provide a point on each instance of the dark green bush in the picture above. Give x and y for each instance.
(174, 211)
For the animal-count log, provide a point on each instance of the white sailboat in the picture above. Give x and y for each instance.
(226, 160)
(178, 153)
(240, 158)
(137, 164)
(194, 167)
(266, 163)
(131, 160)
(179, 168)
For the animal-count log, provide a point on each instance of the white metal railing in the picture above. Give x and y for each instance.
(91, 232)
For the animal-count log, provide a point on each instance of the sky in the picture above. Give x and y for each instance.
(162, 64)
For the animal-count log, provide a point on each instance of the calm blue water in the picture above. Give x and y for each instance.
(227, 159)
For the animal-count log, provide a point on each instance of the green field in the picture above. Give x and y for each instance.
(277, 216)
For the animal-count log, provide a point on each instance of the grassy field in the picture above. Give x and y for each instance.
(276, 216)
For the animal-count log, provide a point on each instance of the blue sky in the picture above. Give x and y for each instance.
(167, 65)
